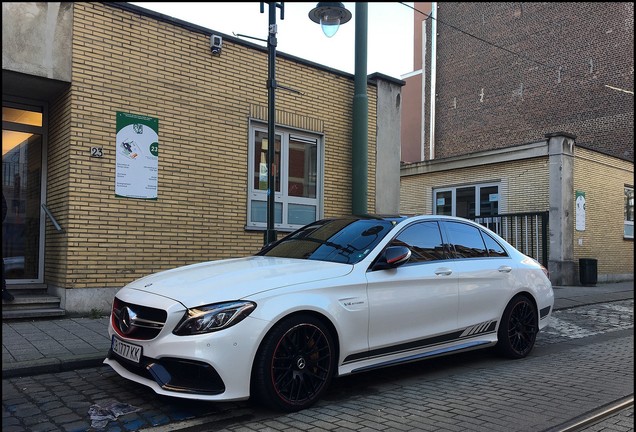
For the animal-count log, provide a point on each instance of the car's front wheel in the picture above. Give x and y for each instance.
(518, 328)
(294, 364)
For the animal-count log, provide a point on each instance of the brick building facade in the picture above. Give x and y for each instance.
(211, 109)
(508, 73)
(524, 108)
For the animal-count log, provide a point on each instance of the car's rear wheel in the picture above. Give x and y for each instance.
(518, 328)
(294, 364)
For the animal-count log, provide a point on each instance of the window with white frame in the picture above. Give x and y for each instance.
(297, 171)
(467, 201)
(628, 229)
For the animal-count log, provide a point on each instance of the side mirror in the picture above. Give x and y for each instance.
(393, 256)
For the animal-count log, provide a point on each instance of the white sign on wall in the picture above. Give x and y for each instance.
(580, 211)
(137, 160)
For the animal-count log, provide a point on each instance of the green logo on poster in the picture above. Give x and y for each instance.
(154, 149)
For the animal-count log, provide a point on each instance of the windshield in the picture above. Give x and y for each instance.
(336, 240)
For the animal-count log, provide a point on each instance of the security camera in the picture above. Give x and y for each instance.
(216, 43)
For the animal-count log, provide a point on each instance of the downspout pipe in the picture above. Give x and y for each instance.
(433, 79)
(423, 101)
(359, 148)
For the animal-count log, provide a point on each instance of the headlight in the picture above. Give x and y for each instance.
(214, 317)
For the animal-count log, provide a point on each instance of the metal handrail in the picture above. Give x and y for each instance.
(53, 221)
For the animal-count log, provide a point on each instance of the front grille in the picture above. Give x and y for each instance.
(134, 321)
(178, 375)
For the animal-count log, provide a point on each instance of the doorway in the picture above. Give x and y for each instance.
(23, 190)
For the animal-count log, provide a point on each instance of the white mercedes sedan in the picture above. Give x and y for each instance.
(336, 297)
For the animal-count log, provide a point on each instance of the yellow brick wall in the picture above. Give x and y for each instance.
(523, 186)
(127, 62)
(58, 187)
(603, 179)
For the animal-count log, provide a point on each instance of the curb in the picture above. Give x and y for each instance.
(51, 365)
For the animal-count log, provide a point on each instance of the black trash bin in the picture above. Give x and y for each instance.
(587, 271)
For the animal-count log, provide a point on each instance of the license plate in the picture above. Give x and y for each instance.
(128, 351)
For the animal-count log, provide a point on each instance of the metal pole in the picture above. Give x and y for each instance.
(270, 234)
(359, 150)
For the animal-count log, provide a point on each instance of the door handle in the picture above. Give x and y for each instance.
(443, 271)
(505, 269)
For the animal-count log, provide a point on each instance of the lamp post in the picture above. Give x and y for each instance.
(330, 15)
(270, 233)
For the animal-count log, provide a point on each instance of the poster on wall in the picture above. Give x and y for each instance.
(580, 211)
(137, 160)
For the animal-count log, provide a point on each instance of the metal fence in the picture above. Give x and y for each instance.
(528, 232)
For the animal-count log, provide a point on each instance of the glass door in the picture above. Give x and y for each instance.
(22, 191)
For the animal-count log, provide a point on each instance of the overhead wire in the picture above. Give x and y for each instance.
(557, 69)
(481, 39)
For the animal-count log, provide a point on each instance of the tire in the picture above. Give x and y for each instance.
(518, 328)
(294, 364)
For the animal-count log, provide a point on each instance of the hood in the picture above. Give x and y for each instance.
(233, 279)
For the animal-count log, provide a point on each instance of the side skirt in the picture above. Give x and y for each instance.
(468, 346)
(466, 335)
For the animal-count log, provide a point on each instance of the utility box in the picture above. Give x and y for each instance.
(588, 271)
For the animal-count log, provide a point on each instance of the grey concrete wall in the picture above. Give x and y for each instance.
(84, 300)
(387, 170)
(561, 257)
(36, 39)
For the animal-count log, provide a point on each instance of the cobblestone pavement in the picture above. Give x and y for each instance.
(585, 360)
(622, 421)
(581, 322)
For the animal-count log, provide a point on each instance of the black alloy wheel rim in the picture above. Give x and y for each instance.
(301, 364)
(523, 328)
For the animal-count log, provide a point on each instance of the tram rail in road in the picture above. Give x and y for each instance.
(588, 419)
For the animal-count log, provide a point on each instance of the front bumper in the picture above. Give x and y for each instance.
(174, 375)
(214, 366)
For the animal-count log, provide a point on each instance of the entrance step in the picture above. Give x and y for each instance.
(31, 301)
(18, 314)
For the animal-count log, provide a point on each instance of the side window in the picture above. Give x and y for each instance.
(494, 248)
(424, 240)
(466, 240)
